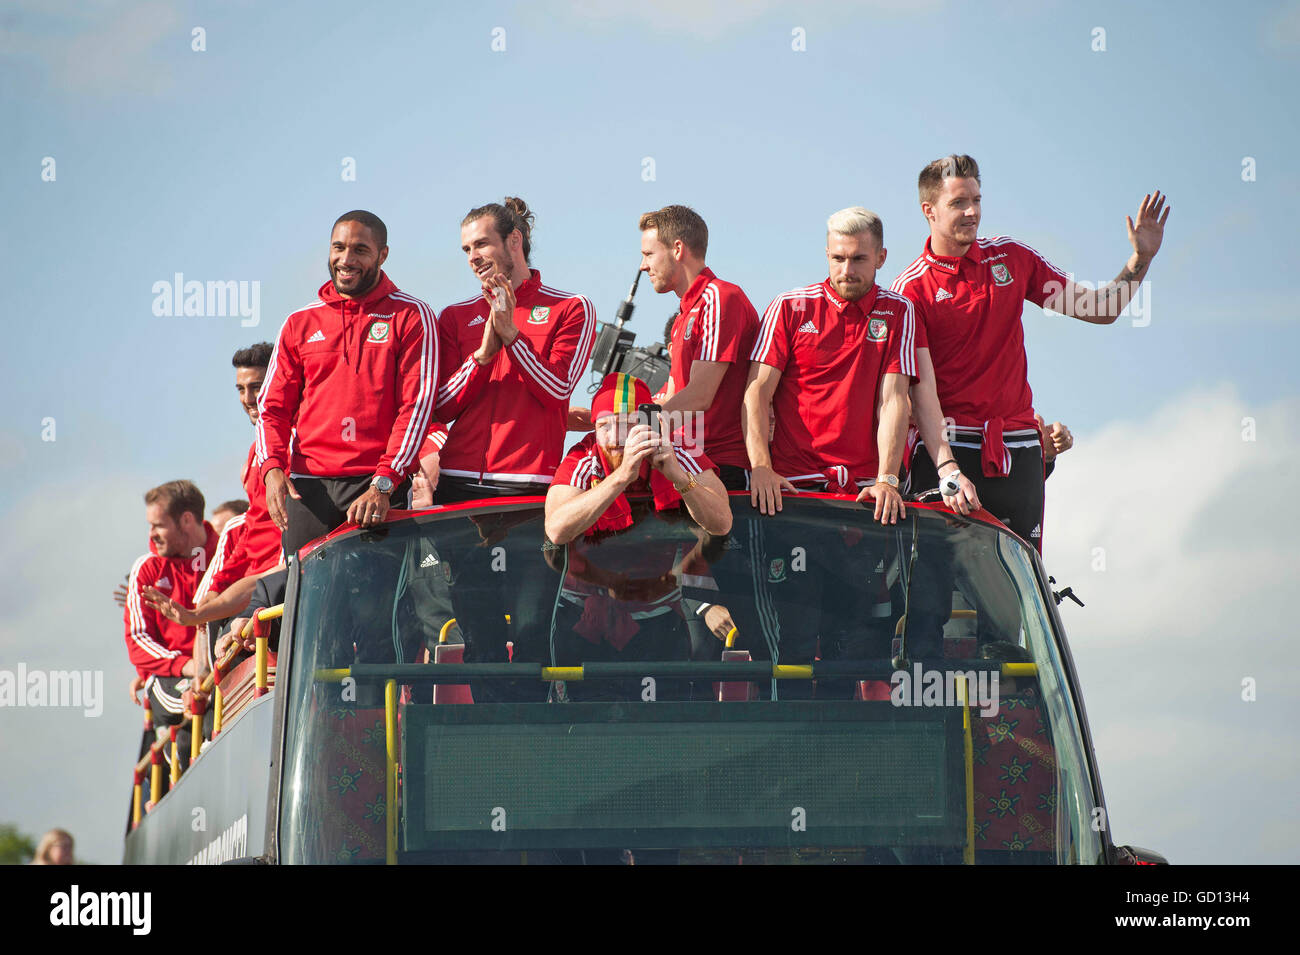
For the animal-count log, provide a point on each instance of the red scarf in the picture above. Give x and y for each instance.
(618, 516)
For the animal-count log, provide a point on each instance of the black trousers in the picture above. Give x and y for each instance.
(798, 591)
(661, 638)
(166, 709)
(324, 506)
(1016, 500)
(493, 571)
(733, 478)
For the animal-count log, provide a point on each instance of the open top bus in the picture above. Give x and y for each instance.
(814, 687)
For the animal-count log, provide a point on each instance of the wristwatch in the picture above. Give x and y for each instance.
(382, 484)
(690, 485)
(890, 479)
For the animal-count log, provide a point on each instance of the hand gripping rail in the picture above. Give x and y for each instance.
(259, 627)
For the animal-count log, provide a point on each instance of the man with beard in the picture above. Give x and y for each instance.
(349, 394)
(622, 594)
(162, 651)
(511, 358)
(834, 360)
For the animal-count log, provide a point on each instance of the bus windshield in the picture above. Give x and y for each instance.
(812, 687)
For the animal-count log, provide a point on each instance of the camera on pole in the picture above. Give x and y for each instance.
(615, 351)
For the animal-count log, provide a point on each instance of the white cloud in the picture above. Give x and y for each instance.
(1200, 548)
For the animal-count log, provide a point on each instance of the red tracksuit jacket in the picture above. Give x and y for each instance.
(257, 545)
(351, 386)
(155, 644)
(511, 415)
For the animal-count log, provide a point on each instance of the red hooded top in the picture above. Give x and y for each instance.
(351, 386)
(253, 546)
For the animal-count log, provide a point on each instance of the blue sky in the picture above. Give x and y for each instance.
(225, 164)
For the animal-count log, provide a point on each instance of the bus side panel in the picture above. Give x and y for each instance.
(217, 812)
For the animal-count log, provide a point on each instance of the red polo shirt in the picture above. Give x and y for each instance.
(968, 312)
(716, 322)
(832, 356)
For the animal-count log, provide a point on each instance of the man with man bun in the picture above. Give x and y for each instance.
(511, 358)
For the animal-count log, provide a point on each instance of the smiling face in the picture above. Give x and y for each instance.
(853, 261)
(954, 216)
(485, 250)
(248, 385)
(659, 262)
(355, 259)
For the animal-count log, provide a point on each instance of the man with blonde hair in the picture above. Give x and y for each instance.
(835, 360)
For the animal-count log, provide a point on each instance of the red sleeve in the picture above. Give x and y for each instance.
(233, 558)
(460, 377)
(772, 346)
(576, 469)
(145, 643)
(417, 371)
(552, 377)
(723, 323)
(437, 437)
(1045, 279)
(277, 403)
(693, 462)
(900, 347)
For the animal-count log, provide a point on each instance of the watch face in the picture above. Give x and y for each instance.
(384, 484)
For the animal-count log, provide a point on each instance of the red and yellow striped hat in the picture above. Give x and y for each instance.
(619, 393)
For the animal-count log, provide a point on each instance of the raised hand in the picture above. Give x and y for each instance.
(1146, 234)
(169, 608)
(501, 297)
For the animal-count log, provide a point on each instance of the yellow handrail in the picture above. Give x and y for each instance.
(390, 770)
(152, 759)
(968, 851)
